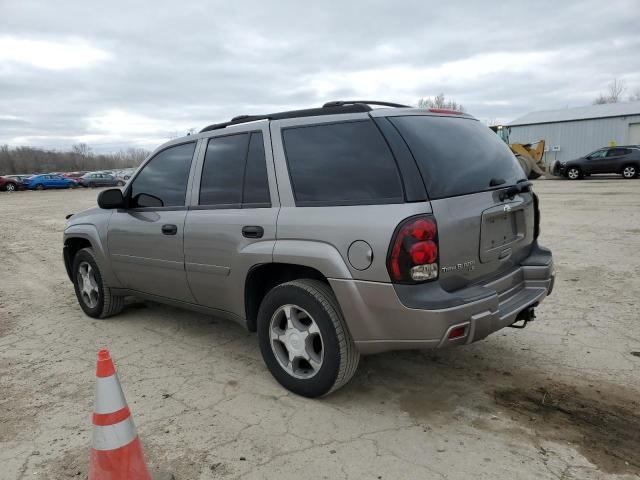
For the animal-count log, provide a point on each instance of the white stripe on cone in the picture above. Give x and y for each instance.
(109, 396)
(110, 437)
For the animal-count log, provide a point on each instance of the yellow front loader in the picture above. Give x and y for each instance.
(528, 154)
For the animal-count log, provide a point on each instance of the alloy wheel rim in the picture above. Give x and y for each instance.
(629, 172)
(573, 173)
(10, 187)
(88, 285)
(296, 341)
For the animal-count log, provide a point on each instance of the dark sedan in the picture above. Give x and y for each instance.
(624, 160)
(11, 183)
(99, 180)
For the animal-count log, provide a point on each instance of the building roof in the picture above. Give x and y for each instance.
(579, 113)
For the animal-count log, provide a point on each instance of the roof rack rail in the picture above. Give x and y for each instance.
(329, 108)
(339, 103)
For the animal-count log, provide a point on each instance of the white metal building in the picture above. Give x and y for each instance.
(573, 132)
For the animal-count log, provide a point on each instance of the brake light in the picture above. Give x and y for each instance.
(445, 110)
(413, 256)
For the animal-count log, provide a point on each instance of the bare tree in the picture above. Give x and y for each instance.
(80, 157)
(613, 94)
(440, 101)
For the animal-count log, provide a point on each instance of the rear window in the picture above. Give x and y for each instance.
(457, 156)
(347, 163)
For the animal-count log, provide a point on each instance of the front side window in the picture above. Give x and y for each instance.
(163, 181)
(346, 163)
(598, 154)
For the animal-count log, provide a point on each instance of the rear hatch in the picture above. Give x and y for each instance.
(467, 170)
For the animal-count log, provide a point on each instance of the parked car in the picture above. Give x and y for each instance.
(623, 160)
(74, 175)
(93, 179)
(332, 232)
(21, 178)
(42, 182)
(9, 184)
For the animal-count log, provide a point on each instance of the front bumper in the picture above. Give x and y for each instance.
(380, 321)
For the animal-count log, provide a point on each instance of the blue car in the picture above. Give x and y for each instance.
(40, 182)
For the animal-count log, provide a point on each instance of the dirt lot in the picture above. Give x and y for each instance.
(560, 399)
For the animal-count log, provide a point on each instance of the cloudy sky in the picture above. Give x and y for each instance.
(118, 74)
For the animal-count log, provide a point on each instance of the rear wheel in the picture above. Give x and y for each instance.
(304, 339)
(120, 183)
(629, 171)
(10, 187)
(574, 173)
(94, 297)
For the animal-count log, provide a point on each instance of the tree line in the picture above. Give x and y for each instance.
(17, 160)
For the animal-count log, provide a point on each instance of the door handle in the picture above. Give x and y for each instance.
(169, 229)
(252, 231)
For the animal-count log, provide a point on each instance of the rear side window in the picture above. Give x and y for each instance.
(163, 181)
(235, 172)
(221, 182)
(346, 163)
(458, 156)
(256, 185)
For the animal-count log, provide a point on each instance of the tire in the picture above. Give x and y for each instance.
(533, 175)
(629, 171)
(39, 187)
(10, 187)
(92, 185)
(574, 173)
(104, 303)
(338, 358)
(120, 184)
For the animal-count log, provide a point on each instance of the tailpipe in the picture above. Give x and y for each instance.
(525, 316)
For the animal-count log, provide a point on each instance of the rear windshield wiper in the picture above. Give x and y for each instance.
(523, 185)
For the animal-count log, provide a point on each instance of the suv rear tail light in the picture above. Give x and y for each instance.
(413, 254)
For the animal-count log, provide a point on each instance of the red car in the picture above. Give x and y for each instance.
(10, 184)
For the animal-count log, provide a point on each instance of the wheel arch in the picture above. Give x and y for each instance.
(262, 278)
(81, 236)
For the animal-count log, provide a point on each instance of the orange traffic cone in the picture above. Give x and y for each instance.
(116, 453)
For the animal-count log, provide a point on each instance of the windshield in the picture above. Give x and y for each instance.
(458, 156)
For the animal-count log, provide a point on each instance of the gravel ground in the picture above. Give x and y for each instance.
(559, 399)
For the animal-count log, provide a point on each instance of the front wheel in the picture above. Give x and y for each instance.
(94, 297)
(304, 339)
(39, 187)
(629, 171)
(120, 184)
(10, 187)
(573, 173)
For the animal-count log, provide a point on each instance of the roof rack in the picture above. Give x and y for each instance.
(329, 108)
(339, 103)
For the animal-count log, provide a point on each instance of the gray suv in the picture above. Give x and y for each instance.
(332, 232)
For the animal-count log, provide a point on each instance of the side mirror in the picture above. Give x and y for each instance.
(110, 199)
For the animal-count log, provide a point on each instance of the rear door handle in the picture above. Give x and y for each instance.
(252, 231)
(169, 229)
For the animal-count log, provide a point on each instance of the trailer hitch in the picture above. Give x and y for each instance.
(525, 316)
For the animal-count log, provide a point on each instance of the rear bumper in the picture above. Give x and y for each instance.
(382, 317)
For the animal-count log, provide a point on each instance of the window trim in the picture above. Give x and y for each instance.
(342, 203)
(127, 191)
